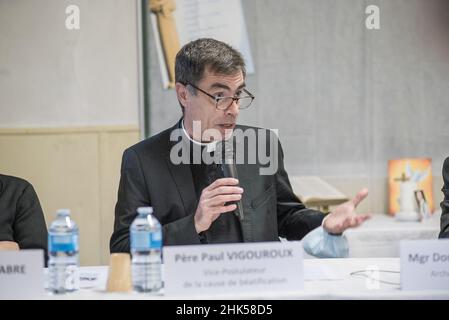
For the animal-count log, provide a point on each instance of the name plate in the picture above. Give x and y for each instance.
(21, 274)
(233, 268)
(425, 264)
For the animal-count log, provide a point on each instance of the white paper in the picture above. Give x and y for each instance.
(321, 272)
(94, 277)
(219, 19)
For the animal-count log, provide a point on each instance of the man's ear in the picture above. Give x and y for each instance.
(181, 93)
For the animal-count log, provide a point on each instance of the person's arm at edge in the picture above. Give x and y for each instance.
(445, 203)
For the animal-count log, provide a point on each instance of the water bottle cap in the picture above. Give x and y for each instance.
(145, 210)
(63, 212)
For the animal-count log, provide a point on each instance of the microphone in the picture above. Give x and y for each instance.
(230, 171)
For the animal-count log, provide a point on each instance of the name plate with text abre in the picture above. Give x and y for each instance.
(21, 274)
(234, 268)
(425, 264)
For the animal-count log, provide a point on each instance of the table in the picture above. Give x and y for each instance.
(324, 279)
(380, 236)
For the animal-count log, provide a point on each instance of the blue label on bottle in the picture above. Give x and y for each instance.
(143, 240)
(63, 243)
(156, 240)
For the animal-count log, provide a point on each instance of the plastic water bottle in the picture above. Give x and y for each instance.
(146, 244)
(63, 253)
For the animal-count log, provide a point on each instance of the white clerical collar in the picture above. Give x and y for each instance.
(210, 146)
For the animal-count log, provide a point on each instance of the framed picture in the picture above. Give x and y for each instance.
(409, 174)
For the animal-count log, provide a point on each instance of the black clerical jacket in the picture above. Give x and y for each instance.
(150, 178)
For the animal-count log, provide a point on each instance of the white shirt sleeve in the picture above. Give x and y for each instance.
(321, 244)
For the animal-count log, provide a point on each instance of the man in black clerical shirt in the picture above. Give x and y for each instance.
(193, 201)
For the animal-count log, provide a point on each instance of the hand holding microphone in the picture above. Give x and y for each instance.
(213, 202)
(222, 196)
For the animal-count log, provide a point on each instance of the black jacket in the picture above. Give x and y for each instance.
(445, 203)
(21, 216)
(149, 178)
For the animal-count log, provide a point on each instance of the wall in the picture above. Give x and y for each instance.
(69, 107)
(345, 99)
(53, 77)
(76, 168)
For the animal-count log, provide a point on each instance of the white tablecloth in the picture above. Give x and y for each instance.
(380, 236)
(324, 279)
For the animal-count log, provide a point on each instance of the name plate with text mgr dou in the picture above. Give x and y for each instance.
(425, 264)
(234, 268)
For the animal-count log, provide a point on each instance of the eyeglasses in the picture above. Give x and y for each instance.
(223, 103)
